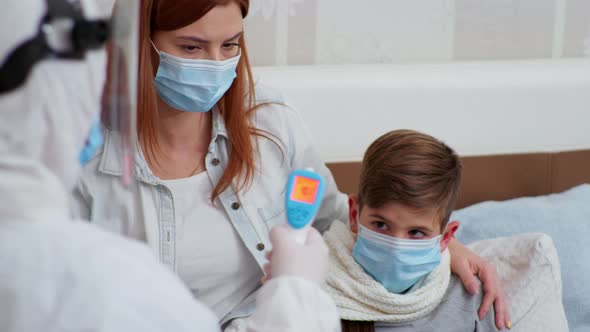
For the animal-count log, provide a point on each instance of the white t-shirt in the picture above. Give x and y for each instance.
(212, 260)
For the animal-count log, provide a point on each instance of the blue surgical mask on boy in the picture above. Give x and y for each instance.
(193, 85)
(397, 264)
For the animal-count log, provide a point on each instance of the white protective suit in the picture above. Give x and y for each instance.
(60, 275)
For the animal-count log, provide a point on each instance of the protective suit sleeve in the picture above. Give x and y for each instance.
(290, 304)
(79, 205)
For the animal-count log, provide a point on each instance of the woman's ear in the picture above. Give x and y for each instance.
(353, 213)
(447, 236)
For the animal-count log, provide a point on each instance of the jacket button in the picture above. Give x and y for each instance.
(235, 205)
(260, 246)
(215, 162)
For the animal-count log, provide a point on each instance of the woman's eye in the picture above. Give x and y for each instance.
(230, 46)
(416, 234)
(191, 48)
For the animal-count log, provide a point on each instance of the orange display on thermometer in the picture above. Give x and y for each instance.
(305, 189)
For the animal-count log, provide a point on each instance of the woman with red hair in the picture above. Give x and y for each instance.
(215, 150)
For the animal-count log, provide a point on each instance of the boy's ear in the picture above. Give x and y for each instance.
(448, 234)
(353, 212)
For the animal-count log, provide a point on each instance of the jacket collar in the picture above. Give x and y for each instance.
(218, 128)
(111, 163)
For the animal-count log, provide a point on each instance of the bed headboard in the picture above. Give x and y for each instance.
(500, 177)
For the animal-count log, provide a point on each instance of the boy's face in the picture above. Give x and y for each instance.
(403, 222)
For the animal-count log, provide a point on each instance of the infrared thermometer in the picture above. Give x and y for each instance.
(305, 191)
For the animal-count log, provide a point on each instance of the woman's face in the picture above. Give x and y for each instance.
(215, 36)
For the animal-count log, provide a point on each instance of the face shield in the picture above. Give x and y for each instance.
(118, 118)
(58, 83)
(119, 98)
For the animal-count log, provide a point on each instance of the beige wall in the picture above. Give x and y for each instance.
(290, 32)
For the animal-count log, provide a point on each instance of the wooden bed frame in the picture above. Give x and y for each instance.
(500, 177)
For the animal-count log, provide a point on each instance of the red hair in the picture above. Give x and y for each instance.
(175, 14)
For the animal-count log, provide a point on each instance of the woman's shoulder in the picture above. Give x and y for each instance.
(267, 94)
(90, 171)
(274, 112)
(105, 166)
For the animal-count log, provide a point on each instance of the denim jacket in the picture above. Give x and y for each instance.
(253, 211)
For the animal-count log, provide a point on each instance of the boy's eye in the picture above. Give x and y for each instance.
(380, 225)
(416, 234)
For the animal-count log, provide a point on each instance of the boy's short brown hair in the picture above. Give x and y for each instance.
(412, 169)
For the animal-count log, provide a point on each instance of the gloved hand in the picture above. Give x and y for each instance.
(288, 258)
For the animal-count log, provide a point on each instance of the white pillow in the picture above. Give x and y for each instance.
(564, 216)
(528, 267)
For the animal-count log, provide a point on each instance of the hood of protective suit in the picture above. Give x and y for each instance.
(45, 122)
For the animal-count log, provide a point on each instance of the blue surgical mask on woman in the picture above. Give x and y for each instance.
(193, 85)
(397, 264)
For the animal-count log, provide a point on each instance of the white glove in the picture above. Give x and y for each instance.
(288, 258)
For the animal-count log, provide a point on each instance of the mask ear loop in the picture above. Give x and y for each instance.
(154, 46)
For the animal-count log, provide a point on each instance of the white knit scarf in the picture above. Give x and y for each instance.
(359, 297)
